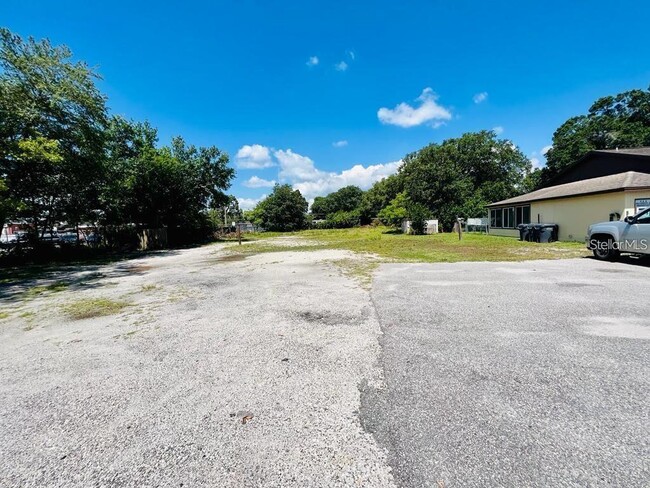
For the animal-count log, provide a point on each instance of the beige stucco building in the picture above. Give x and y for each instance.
(574, 206)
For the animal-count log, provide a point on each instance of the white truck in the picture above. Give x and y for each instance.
(608, 240)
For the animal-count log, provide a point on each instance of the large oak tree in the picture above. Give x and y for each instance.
(621, 121)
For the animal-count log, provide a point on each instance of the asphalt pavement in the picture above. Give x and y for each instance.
(513, 374)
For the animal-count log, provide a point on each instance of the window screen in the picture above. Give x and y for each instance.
(498, 220)
(509, 217)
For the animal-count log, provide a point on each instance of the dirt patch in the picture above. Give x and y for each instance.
(326, 318)
(229, 258)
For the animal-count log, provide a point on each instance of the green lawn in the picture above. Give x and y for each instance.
(429, 248)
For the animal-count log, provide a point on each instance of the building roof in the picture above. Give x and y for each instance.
(630, 180)
(633, 151)
(631, 159)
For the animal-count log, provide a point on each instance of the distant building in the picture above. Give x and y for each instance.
(431, 226)
(603, 185)
(11, 228)
(245, 226)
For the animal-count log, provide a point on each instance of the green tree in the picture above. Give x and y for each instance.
(621, 121)
(283, 210)
(35, 179)
(343, 219)
(5, 203)
(205, 177)
(127, 144)
(395, 212)
(345, 199)
(461, 176)
(52, 120)
(418, 215)
(379, 197)
(320, 208)
(169, 186)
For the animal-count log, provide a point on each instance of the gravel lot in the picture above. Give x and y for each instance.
(271, 370)
(223, 371)
(514, 374)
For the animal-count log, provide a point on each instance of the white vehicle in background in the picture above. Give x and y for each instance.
(608, 240)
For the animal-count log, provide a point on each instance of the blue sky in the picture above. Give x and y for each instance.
(280, 83)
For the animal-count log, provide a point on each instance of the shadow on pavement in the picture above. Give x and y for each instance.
(36, 280)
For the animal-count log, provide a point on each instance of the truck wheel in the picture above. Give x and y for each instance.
(605, 251)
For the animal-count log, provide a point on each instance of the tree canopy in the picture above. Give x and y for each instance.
(460, 176)
(63, 158)
(345, 199)
(52, 127)
(283, 210)
(621, 121)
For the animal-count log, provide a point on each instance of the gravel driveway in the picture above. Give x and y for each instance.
(222, 371)
(531, 374)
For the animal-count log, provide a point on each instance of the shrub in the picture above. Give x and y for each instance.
(418, 216)
(343, 219)
(393, 214)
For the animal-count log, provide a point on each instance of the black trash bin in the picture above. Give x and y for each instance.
(546, 232)
(535, 231)
(525, 232)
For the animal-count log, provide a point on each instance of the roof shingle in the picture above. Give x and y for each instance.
(636, 151)
(603, 184)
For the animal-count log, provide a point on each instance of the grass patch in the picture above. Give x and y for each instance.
(358, 269)
(428, 248)
(93, 307)
(36, 291)
(28, 317)
(248, 236)
(150, 287)
(4, 315)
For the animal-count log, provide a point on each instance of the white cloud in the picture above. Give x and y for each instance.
(341, 66)
(312, 61)
(256, 182)
(294, 167)
(340, 143)
(301, 172)
(498, 130)
(536, 163)
(249, 203)
(480, 97)
(546, 149)
(404, 115)
(352, 55)
(358, 175)
(254, 157)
